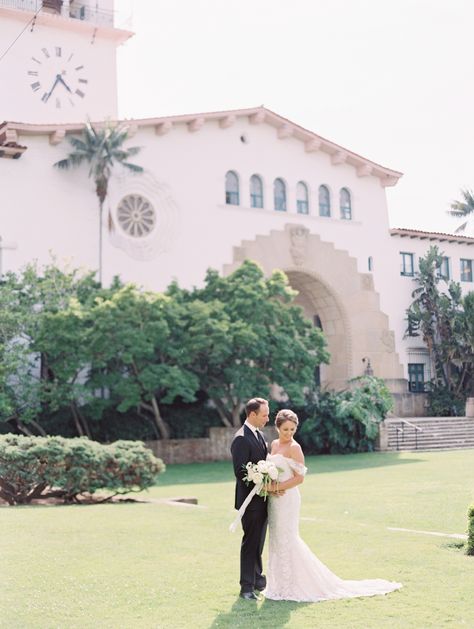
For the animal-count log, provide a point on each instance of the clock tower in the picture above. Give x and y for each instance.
(59, 60)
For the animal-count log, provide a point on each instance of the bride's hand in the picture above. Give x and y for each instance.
(274, 489)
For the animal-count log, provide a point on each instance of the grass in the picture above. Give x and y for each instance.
(158, 566)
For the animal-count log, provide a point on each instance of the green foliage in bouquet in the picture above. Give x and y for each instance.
(43, 467)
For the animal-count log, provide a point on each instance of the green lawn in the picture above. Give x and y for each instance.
(159, 566)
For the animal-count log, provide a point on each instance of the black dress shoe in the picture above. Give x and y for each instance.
(250, 596)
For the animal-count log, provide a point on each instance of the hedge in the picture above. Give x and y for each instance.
(470, 531)
(44, 467)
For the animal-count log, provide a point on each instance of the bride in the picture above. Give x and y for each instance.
(294, 573)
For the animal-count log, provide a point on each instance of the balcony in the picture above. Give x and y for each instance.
(70, 9)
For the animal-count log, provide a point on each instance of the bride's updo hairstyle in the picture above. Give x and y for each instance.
(285, 415)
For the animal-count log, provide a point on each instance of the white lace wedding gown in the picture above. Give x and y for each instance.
(294, 573)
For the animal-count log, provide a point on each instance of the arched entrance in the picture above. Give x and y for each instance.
(322, 308)
(330, 287)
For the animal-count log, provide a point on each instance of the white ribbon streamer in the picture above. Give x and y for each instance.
(245, 504)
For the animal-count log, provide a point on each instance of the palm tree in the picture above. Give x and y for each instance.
(102, 148)
(463, 209)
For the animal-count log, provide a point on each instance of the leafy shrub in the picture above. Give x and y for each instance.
(42, 467)
(445, 403)
(470, 531)
(344, 421)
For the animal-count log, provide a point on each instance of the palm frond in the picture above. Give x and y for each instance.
(461, 228)
(135, 168)
(458, 213)
(133, 150)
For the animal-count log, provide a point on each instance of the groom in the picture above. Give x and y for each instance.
(249, 445)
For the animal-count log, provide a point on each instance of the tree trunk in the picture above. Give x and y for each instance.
(101, 207)
(38, 427)
(24, 429)
(224, 414)
(160, 423)
(236, 415)
(83, 421)
(150, 421)
(80, 430)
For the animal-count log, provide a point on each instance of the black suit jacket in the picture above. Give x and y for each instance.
(245, 447)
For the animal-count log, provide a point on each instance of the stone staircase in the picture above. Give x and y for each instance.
(426, 433)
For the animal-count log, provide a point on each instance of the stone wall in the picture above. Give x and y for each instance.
(215, 447)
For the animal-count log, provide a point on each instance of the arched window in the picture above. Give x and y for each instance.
(317, 322)
(324, 201)
(302, 205)
(279, 195)
(256, 191)
(345, 204)
(232, 188)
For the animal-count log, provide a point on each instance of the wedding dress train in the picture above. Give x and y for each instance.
(294, 573)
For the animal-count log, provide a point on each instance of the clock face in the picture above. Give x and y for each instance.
(57, 77)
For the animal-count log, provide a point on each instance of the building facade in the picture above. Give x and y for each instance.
(217, 188)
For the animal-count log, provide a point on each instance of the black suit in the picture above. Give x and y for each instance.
(246, 447)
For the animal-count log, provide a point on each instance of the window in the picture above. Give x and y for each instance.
(302, 205)
(370, 263)
(136, 215)
(443, 269)
(345, 204)
(324, 201)
(466, 270)
(256, 191)
(279, 195)
(416, 377)
(407, 267)
(232, 188)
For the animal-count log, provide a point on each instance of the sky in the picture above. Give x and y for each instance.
(392, 81)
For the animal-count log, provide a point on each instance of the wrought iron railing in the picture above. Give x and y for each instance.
(73, 10)
(400, 430)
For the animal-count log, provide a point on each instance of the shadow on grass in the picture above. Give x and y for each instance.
(222, 472)
(275, 614)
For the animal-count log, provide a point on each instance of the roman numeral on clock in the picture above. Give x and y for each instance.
(80, 93)
(35, 86)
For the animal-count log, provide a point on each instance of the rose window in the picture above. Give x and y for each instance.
(136, 215)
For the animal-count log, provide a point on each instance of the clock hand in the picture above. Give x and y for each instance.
(61, 80)
(52, 89)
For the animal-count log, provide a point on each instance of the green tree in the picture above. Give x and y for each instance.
(139, 354)
(445, 321)
(42, 353)
(248, 339)
(102, 148)
(463, 209)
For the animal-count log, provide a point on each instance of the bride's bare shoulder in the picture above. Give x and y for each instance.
(296, 452)
(273, 443)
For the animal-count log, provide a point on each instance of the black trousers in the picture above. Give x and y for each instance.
(254, 523)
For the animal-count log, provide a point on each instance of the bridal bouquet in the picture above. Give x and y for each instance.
(261, 474)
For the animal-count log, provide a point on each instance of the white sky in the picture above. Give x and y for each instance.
(390, 80)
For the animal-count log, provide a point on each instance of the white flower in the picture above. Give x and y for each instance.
(249, 465)
(262, 466)
(273, 472)
(257, 478)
